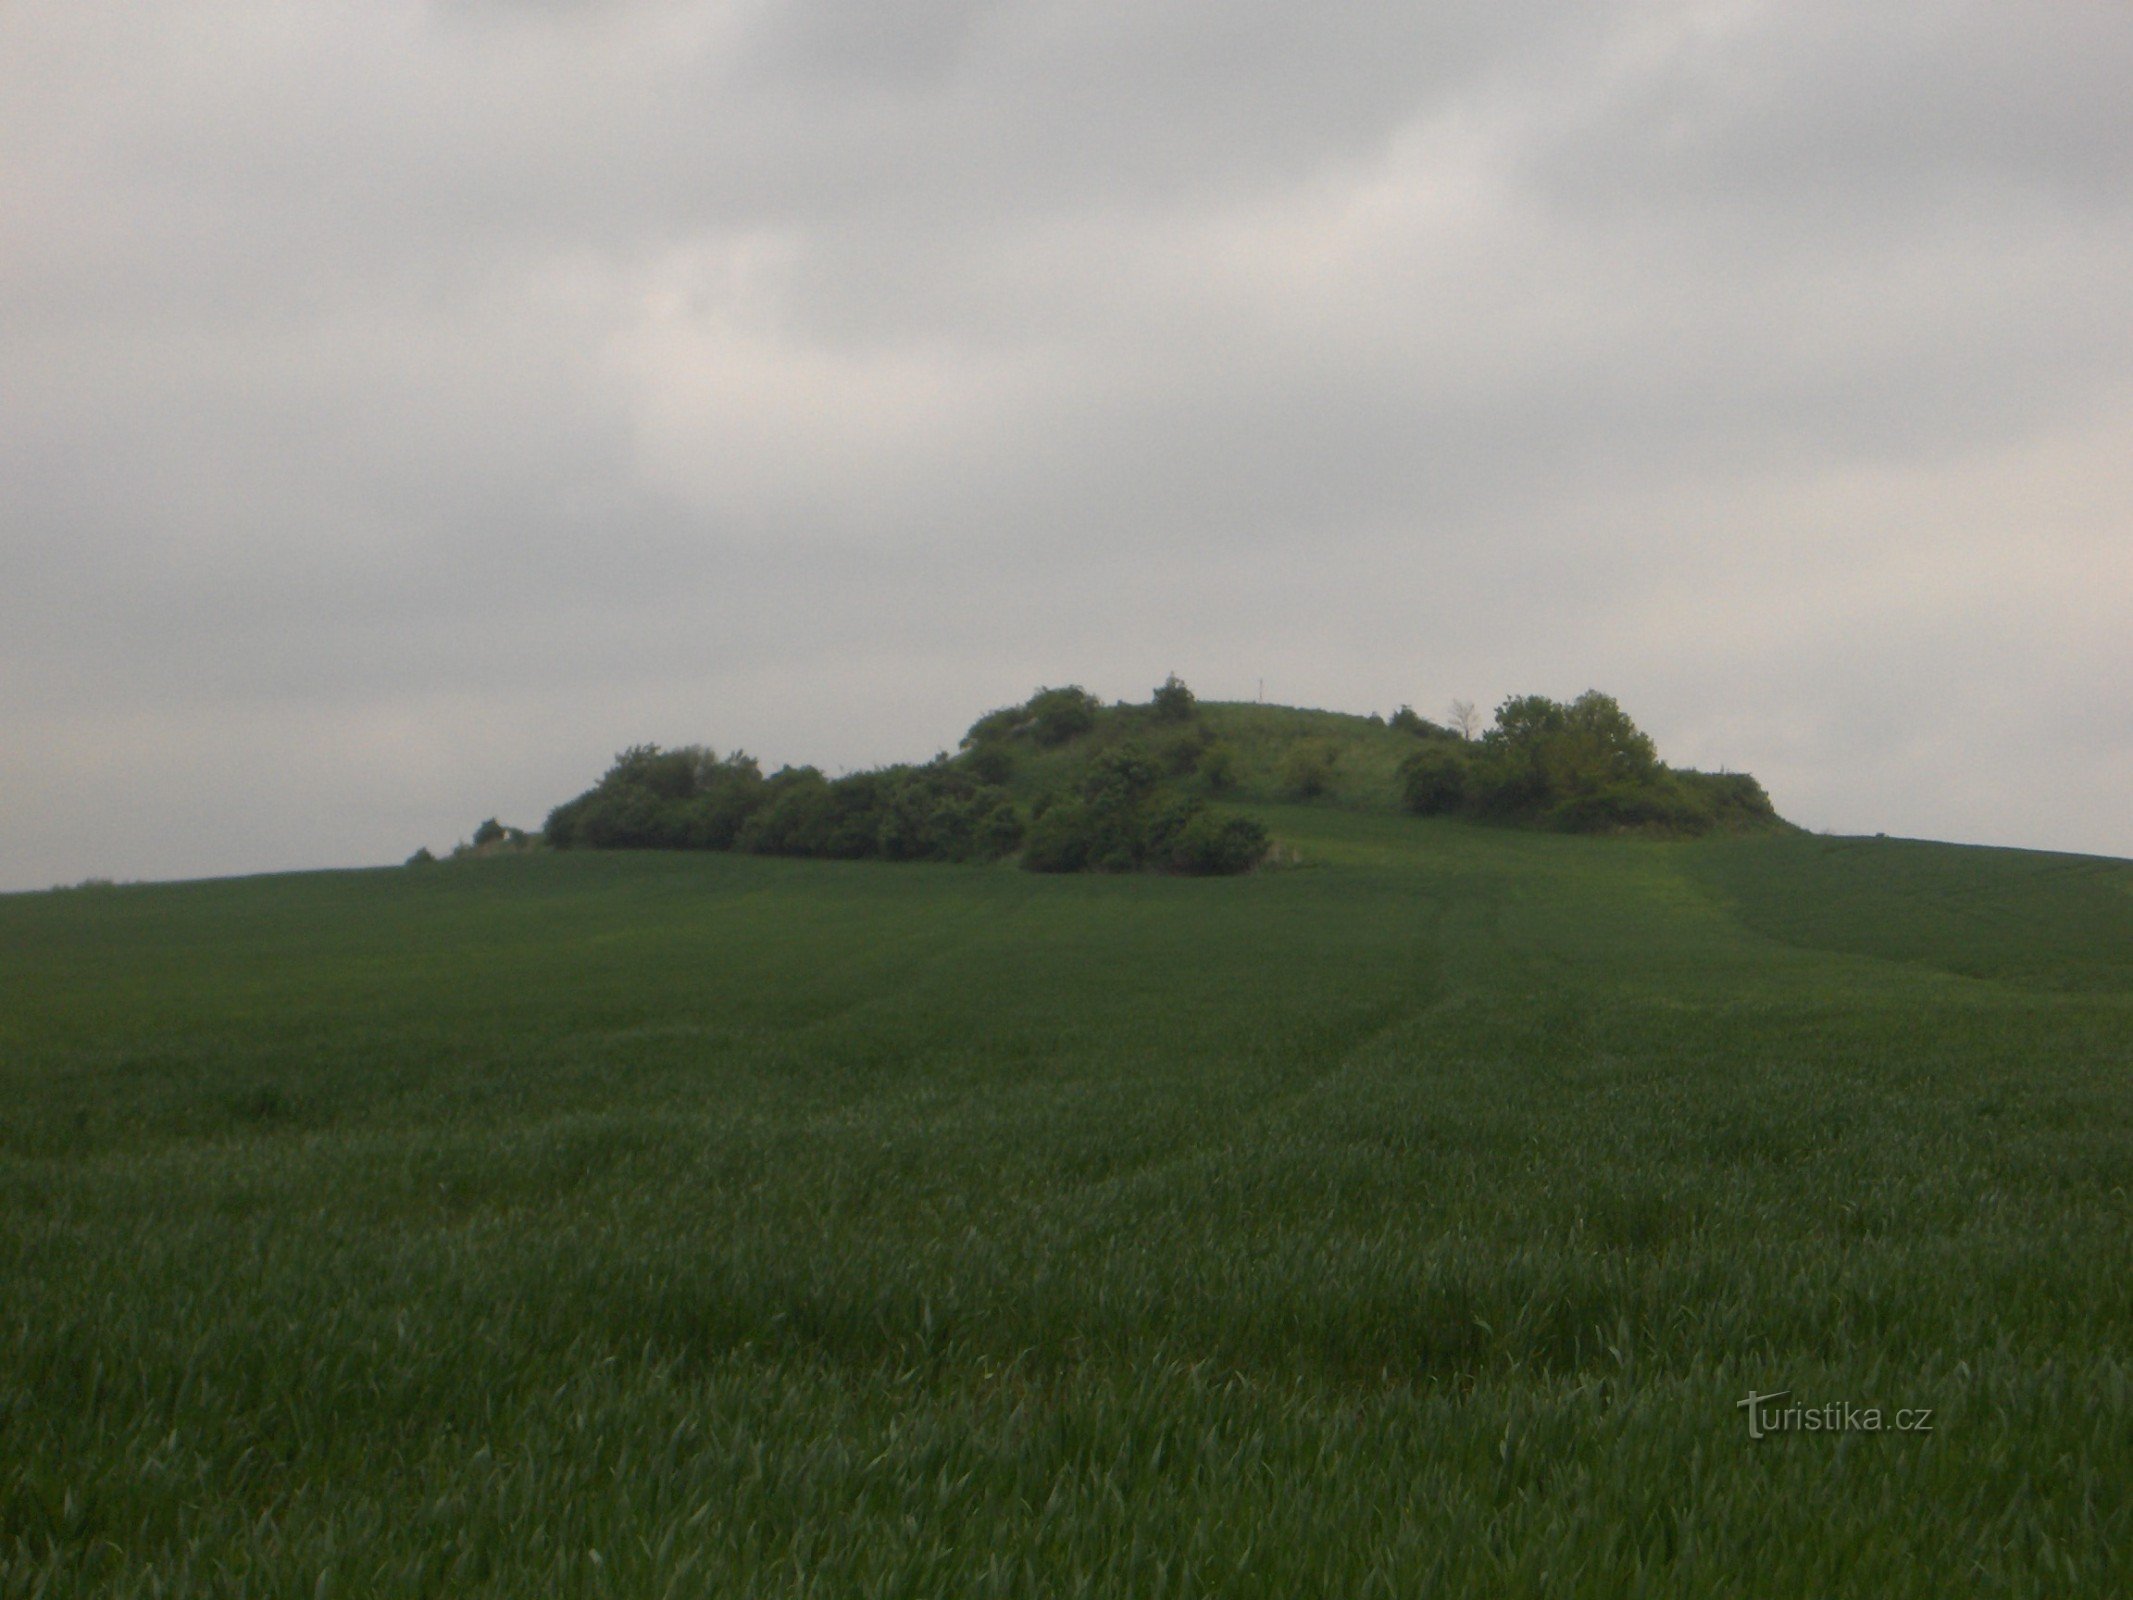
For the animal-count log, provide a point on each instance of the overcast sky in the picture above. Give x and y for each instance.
(405, 406)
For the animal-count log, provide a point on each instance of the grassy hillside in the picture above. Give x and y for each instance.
(1413, 1222)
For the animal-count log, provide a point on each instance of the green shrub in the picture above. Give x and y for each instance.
(1307, 769)
(1210, 844)
(654, 799)
(1179, 755)
(1585, 767)
(1732, 799)
(1057, 715)
(996, 725)
(990, 762)
(1407, 720)
(1058, 838)
(1218, 768)
(1126, 818)
(1661, 806)
(1433, 780)
(794, 816)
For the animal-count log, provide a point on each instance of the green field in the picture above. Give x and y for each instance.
(1410, 1221)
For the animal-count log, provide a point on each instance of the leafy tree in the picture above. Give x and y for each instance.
(1511, 771)
(1584, 767)
(1057, 715)
(1173, 702)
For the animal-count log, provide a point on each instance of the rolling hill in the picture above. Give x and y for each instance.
(1412, 1221)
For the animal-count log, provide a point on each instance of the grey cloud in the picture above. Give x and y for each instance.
(424, 402)
(1865, 117)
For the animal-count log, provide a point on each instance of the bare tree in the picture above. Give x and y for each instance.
(1465, 718)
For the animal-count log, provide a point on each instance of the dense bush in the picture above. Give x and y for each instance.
(1433, 779)
(1059, 838)
(990, 762)
(1126, 819)
(493, 838)
(1172, 701)
(1583, 767)
(1181, 753)
(1124, 816)
(1057, 715)
(1407, 720)
(1307, 769)
(1733, 799)
(1544, 757)
(995, 726)
(1218, 768)
(1049, 717)
(690, 799)
(654, 799)
(1205, 843)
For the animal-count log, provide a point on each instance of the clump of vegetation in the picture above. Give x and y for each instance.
(1049, 718)
(1433, 780)
(693, 799)
(1408, 720)
(936, 812)
(1126, 819)
(1172, 701)
(1583, 767)
(1116, 800)
(1077, 785)
(1124, 807)
(1218, 767)
(493, 838)
(1307, 770)
(1057, 715)
(1181, 753)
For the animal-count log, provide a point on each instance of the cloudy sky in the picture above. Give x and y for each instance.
(404, 406)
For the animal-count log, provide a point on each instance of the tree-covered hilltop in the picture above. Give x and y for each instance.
(1580, 766)
(1065, 783)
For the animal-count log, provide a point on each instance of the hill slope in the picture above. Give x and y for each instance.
(612, 1223)
(1580, 767)
(1064, 783)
